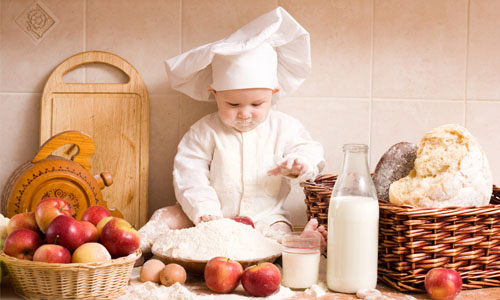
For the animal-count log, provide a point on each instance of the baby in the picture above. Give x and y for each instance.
(241, 160)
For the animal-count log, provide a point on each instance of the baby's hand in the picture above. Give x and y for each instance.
(313, 227)
(206, 218)
(289, 167)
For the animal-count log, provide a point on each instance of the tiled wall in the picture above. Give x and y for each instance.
(383, 70)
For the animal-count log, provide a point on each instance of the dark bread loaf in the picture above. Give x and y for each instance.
(396, 163)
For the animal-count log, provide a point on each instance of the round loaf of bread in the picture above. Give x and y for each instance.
(451, 169)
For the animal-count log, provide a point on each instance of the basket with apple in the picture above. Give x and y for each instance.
(49, 254)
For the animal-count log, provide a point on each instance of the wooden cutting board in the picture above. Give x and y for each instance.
(116, 116)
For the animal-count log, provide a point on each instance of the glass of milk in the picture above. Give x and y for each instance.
(300, 259)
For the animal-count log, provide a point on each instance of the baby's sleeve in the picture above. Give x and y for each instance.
(301, 145)
(191, 175)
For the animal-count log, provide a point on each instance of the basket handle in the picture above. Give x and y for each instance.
(82, 140)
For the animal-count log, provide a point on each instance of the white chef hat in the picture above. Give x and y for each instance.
(272, 51)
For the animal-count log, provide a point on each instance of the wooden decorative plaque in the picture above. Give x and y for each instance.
(49, 175)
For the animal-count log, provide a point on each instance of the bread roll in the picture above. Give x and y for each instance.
(451, 169)
(396, 163)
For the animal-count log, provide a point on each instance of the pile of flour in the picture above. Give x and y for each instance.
(223, 237)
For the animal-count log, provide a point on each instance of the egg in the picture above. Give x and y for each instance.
(171, 274)
(151, 270)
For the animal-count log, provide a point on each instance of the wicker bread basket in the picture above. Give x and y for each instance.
(39, 280)
(414, 240)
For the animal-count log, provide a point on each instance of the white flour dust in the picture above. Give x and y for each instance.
(222, 237)
(152, 291)
(317, 290)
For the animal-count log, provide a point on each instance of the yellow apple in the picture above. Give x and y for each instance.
(90, 252)
(101, 224)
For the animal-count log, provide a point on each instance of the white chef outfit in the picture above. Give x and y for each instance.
(223, 172)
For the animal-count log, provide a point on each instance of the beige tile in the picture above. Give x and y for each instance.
(332, 122)
(340, 46)
(144, 34)
(207, 21)
(419, 49)
(483, 73)
(163, 146)
(481, 121)
(395, 121)
(25, 65)
(19, 128)
(191, 111)
(1, 36)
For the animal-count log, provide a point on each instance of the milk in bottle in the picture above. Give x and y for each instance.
(353, 225)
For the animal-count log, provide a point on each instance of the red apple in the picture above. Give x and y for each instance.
(65, 231)
(90, 252)
(52, 254)
(22, 244)
(244, 220)
(222, 275)
(119, 237)
(95, 213)
(48, 209)
(261, 280)
(443, 284)
(89, 232)
(22, 221)
(101, 224)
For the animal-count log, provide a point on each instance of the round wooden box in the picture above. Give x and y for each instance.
(50, 175)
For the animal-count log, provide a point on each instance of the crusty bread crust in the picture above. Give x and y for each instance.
(395, 163)
(451, 169)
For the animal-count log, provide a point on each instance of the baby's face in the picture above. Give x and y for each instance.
(244, 109)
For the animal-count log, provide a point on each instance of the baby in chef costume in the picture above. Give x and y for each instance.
(241, 160)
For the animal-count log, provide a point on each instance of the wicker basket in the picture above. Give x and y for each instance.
(414, 240)
(39, 280)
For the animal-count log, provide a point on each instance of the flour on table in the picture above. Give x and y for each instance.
(153, 291)
(364, 293)
(317, 290)
(223, 237)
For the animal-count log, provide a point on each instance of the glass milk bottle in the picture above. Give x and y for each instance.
(353, 225)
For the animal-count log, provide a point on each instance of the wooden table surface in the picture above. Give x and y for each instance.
(478, 294)
(198, 286)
